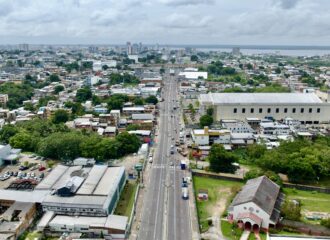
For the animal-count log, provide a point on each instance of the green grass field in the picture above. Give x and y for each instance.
(229, 231)
(311, 201)
(126, 200)
(219, 193)
(217, 190)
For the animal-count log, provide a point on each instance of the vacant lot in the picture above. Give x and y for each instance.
(126, 200)
(220, 193)
(311, 201)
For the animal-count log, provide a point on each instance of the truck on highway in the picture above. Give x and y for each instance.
(185, 193)
(183, 165)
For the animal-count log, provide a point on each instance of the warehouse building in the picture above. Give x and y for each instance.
(83, 191)
(305, 107)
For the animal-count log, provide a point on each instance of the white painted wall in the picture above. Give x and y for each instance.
(243, 208)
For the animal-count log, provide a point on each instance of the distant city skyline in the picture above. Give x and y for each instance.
(186, 22)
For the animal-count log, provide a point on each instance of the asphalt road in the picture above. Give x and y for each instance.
(165, 214)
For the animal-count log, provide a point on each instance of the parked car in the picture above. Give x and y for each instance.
(42, 168)
(23, 168)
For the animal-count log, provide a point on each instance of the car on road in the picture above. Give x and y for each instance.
(150, 159)
(171, 163)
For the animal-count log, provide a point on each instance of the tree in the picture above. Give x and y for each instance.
(205, 120)
(194, 58)
(291, 210)
(60, 116)
(172, 60)
(96, 100)
(253, 173)
(325, 222)
(7, 132)
(278, 70)
(62, 146)
(29, 107)
(58, 89)
(162, 70)
(22, 140)
(54, 78)
(105, 67)
(83, 94)
(76, 108)
(138, 101)
(129, 143)
(255, 151)
(221, 160)
(151, 99)
(117, 101)
(132, 127)
(209, 111)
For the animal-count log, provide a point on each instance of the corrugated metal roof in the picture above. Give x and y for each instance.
(94, 176)
(260, 98)
(52, 178)
(109, 181)
(82, 200)
(66, 176)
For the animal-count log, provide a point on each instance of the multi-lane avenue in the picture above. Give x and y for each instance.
(165, 214)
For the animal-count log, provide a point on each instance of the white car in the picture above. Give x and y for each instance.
(150, 159)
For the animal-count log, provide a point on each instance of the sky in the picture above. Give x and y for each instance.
(238, 22)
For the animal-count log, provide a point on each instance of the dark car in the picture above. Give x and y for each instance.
(23, 168)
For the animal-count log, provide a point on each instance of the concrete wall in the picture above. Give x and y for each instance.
(227, 112)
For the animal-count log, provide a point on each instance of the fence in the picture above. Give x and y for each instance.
(307, 188)
(223, 176)
(306, 228)
(233, 177)
(132, 216)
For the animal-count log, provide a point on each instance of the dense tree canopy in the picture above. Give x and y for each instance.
(58, 89)
(60, 116)
(116, 101)
(205, 120)
(152, 99)
(302, 160)
(83, 94)
(17, 93)
(58, 142)
(116, 78)
(221, 160)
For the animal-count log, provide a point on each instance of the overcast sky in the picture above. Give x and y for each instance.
(267, 22)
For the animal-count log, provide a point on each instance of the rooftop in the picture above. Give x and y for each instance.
(262, 191)
(257, 98)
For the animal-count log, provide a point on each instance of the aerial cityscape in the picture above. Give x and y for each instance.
(164, 120)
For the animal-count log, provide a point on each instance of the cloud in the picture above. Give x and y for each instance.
(186, 2)
(176, 20)
(286, 4)
(202, 21)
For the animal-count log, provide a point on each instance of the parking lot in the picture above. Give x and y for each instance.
(29, 166)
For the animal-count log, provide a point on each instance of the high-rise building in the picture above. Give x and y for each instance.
(129, 48)
(23, 47)
(236, 51)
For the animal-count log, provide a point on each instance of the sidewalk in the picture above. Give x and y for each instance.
(139, 204)
(245, 235)
(193, 212)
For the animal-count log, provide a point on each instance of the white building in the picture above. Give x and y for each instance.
(193, 75)
(257, 205)
(306, 107)
(204, 137)
(272, 128)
